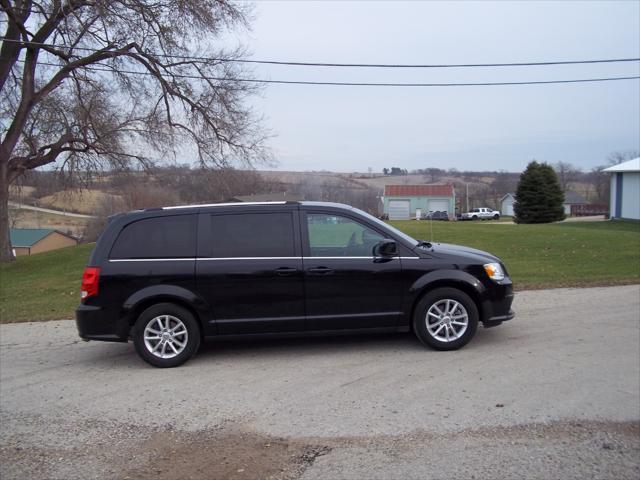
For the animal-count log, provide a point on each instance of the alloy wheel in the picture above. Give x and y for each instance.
(165, 336)
(447, 320)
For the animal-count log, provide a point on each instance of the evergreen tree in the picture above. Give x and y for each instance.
(539, 197)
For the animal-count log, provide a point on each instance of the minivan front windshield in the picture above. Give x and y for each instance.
(410, 240)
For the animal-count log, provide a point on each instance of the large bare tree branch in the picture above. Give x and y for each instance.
(85, 83)
(16, 17)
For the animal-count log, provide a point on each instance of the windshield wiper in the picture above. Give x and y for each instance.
(422, 243)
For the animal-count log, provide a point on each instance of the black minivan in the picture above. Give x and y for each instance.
(166, 278)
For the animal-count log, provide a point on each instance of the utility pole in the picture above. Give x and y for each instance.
(467, 184)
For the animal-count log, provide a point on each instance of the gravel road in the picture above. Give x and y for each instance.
(555, 393)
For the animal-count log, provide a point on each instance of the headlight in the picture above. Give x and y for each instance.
(494, 270)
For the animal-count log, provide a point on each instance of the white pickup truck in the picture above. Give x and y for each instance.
(481, 214)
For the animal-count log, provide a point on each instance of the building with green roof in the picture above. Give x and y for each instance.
(27, 241)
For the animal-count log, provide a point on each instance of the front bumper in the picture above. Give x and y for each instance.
(98, 323)
(496, 307)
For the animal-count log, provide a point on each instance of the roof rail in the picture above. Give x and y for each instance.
(226, 204)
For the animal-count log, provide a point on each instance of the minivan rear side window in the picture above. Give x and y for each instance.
(157, 237)
(252, 235)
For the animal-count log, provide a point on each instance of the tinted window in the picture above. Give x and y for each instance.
(158, 237)
(334, 235)
(252, 235)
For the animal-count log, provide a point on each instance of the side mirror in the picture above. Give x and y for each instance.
(385, 249)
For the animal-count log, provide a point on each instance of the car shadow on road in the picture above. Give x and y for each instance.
(369, 343)
(261, 348)
(300, 344)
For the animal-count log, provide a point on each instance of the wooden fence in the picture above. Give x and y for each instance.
(589, 210)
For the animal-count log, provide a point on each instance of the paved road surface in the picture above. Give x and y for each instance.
(49, 210)
(555, 393)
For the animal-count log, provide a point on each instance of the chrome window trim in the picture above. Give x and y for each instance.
(186, 259)
(190, 259)
(247, 258)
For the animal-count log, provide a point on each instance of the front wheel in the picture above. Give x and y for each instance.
(445, 319)
(496, 217)
(166, 335)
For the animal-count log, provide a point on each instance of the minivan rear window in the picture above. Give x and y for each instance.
(157, 237)
(252, 235)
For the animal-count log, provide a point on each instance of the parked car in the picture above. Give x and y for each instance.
(481, 214)
(167, 278)
(443, 216)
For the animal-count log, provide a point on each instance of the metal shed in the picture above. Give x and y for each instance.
(401, 202)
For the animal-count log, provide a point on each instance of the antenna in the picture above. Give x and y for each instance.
(430, 227)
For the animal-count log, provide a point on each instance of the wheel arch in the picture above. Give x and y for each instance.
(462, 281)
(147, 297)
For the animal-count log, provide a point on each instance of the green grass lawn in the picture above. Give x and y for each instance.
(550, 255)
(47, 286)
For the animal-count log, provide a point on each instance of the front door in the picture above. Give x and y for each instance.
(345, 286)
(249, 270)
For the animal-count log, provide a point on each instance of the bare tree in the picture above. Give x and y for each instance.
(567, 174)
(601, 181)
(505, 182)
(105, 83)
(615, 158)
(432, 175)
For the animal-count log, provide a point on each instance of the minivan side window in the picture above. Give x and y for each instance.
(157, 237)
(335, 235)
(252, 235)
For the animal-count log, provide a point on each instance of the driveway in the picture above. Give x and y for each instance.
(554, 393)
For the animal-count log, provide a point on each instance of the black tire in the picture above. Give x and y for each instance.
(171, 310)
(496, 217)
(475, 217)
(433, 297)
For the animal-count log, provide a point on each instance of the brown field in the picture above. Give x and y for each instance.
(17, 192)
(21, 218)
(80, 201)
(375, 180)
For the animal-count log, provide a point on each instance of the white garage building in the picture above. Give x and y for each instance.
(625, 190)
(402, 202)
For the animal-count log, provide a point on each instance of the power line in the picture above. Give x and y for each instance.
(357, 84)
(349, 65)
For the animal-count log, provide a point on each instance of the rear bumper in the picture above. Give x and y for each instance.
(98, 323)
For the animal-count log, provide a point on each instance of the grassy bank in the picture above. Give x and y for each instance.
(47, 286)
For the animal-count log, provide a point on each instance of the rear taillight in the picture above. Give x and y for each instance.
(90, 279)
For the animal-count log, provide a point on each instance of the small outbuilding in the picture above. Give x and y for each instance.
(27, 241)
(572, 198)
(506, 205)
(625, 190)
(402, 202)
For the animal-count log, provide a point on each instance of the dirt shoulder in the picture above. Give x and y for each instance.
(108, 450)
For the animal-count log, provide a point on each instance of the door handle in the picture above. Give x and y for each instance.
(285, 271)
(321, 271)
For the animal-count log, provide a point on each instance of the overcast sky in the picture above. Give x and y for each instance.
(475, 128)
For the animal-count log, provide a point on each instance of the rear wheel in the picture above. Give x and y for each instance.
(166, 335)
(475, 217)
(445, 319)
